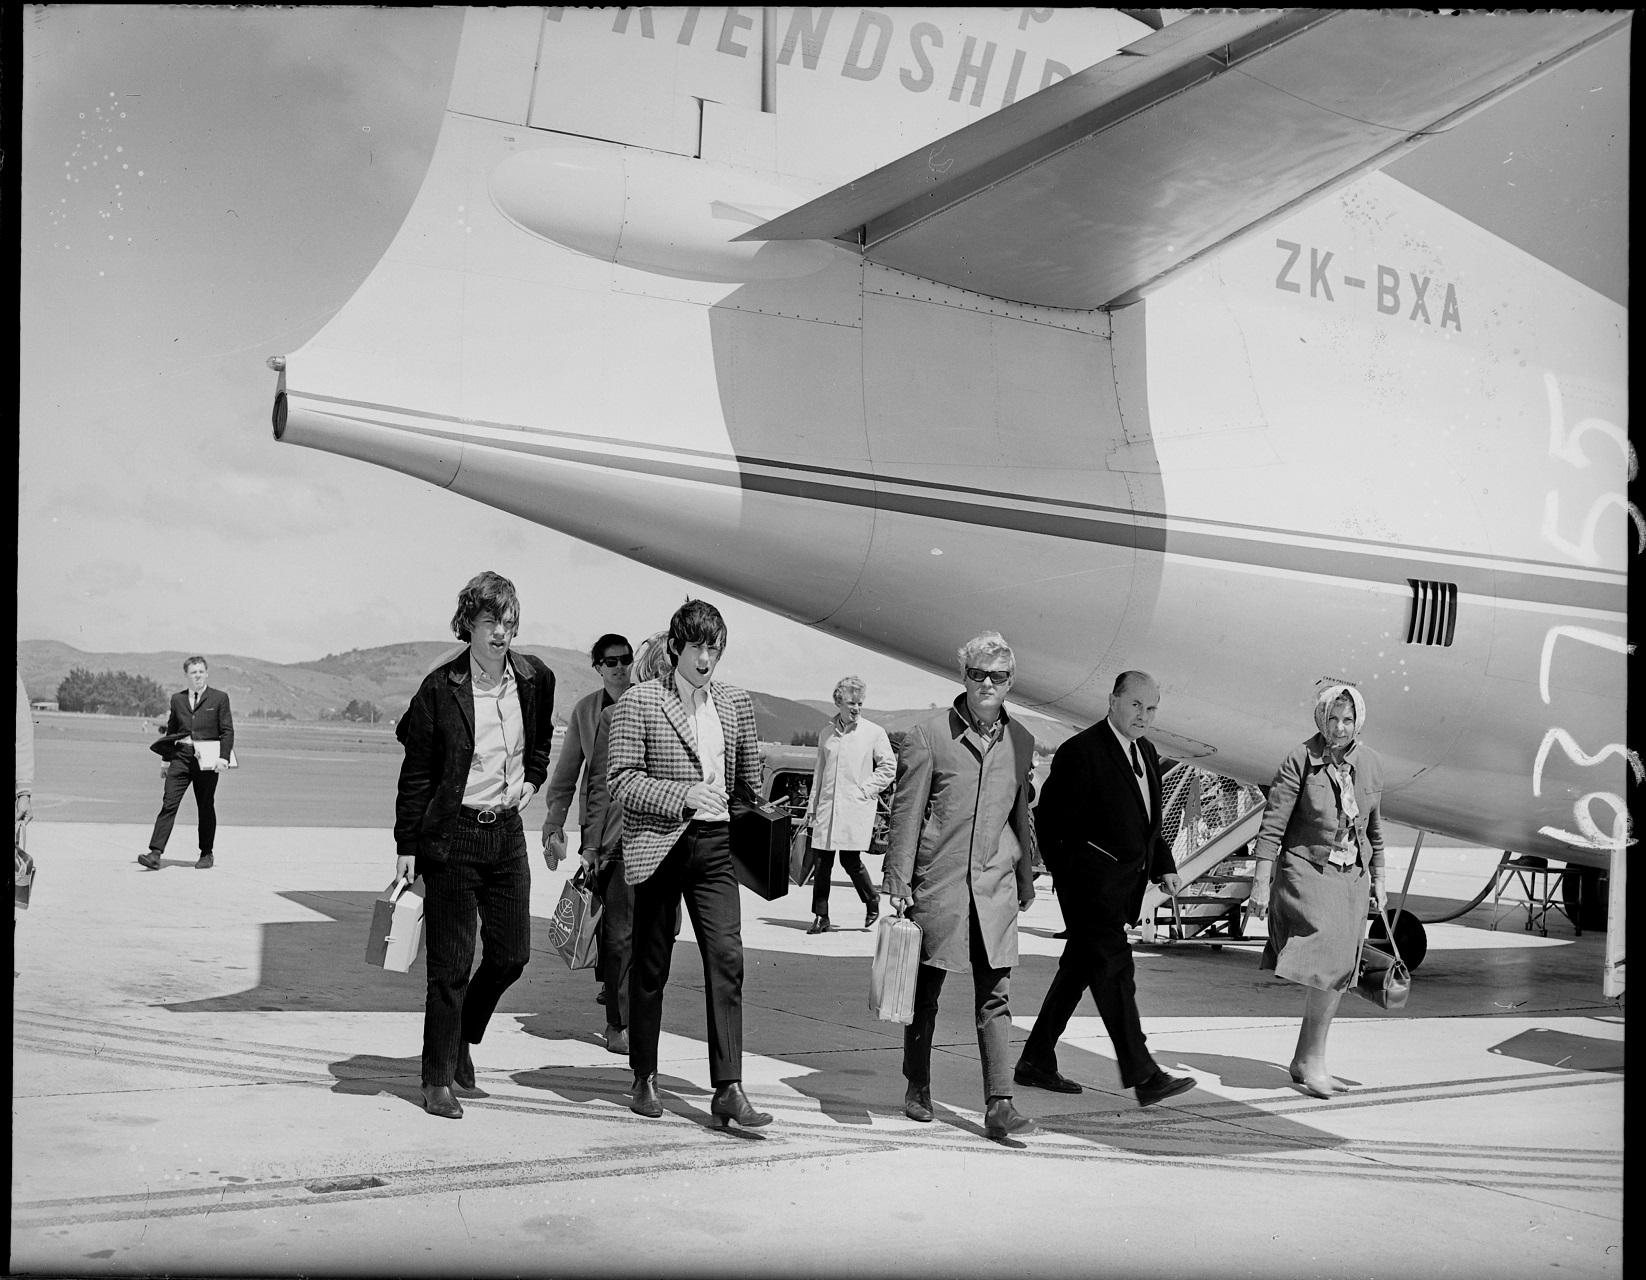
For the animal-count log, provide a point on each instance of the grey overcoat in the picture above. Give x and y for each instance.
(961, 833)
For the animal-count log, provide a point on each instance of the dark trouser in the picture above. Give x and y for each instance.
(184, 771)
(486, 871)
(1097, 958)
(992, 989)
(616, 938)
(698, 869)
(852, 861)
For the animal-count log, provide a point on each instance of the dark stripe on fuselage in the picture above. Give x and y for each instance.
(1357, 558)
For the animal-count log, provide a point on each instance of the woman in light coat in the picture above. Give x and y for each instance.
(854, 765)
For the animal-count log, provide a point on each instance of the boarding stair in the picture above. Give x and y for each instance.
(1209, 821)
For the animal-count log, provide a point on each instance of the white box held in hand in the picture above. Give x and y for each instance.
(396, 926)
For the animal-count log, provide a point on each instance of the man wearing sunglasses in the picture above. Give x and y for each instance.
(587, 733)
(960, 859)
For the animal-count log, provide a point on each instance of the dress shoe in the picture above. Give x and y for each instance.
(1160, 1086)
(872, 916)
(644, 1102)
(1003, 1120)
(205, 863)
(150, 860)
(1042, 1078)
(463, 1072)
(819, 925)
(617, 1040)
(438, 1101)
(917, 1103)
(731, 1103)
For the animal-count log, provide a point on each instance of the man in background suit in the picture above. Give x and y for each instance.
(681, 747)
(1099, 827)
(588, 735)
(198, 714)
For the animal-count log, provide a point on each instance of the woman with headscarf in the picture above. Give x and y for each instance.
(1319, 853)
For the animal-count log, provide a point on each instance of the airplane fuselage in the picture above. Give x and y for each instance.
(1373, 442)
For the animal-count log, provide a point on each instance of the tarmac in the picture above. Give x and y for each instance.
(208, 1079)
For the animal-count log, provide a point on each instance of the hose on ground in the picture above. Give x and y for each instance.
(1491, 883)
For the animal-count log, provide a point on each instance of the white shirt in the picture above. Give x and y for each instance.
(710, 741)
(1127, 746)
(497, 773)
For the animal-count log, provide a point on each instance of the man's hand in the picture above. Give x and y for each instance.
(554, 847)
(405, 868)
(24, 812)
(526, 795)
(163, 770)
(589, 855)
(901, 904)
(1023, 904)
(1172, 884)
(704, 796)
(1380, 894)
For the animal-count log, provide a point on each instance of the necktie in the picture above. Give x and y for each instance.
(1137, 765)
(194, 701)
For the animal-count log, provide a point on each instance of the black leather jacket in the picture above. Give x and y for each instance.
(438, 734)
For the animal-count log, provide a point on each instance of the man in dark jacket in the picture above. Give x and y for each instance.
(198, 715)
(1099, 826)
(477, 738)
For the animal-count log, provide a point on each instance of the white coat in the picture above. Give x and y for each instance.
(852, 770)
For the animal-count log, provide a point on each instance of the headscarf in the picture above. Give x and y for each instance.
(1328, 698)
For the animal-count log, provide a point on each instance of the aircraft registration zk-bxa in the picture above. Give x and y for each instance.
(905, 324)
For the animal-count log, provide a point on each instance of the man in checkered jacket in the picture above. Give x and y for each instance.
(682, 746)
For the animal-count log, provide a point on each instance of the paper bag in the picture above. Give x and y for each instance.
(575, 929)
(802, 861)
(396, 926)
(24, 875)
(896, 965)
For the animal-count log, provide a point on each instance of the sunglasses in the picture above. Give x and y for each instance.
(977, 676)
(624, 661)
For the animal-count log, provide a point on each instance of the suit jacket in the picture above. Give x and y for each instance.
(1095, 838)
(652, 762)
(208, 722)
(586, 742)
(961, 834)
(438, 734)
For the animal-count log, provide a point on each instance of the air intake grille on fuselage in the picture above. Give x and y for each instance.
(1434, 612)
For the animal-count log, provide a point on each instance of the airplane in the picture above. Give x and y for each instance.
(1103, 328)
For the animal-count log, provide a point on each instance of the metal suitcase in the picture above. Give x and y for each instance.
(896, 965)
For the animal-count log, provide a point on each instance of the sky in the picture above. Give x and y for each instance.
(203, 188)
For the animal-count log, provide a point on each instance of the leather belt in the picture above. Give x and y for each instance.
(488, 816)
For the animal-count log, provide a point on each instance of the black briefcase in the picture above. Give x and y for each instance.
(760, 845)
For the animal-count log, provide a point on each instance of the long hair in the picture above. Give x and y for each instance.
(486, 592)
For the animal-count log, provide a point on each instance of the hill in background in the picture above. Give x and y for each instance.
(386, 676)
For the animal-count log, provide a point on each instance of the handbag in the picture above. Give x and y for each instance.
(760, 844)
(802, 861)
(1380, 977)
(896, 966)
(575, 928)
(396, 926)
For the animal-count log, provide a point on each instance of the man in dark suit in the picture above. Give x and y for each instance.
(198, 714)
(1099, 828)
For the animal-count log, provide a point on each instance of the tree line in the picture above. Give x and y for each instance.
(117, 693)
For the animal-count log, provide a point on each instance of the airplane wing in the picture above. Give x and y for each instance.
(1098, 188)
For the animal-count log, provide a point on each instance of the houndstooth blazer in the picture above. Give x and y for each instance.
(652, 762)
